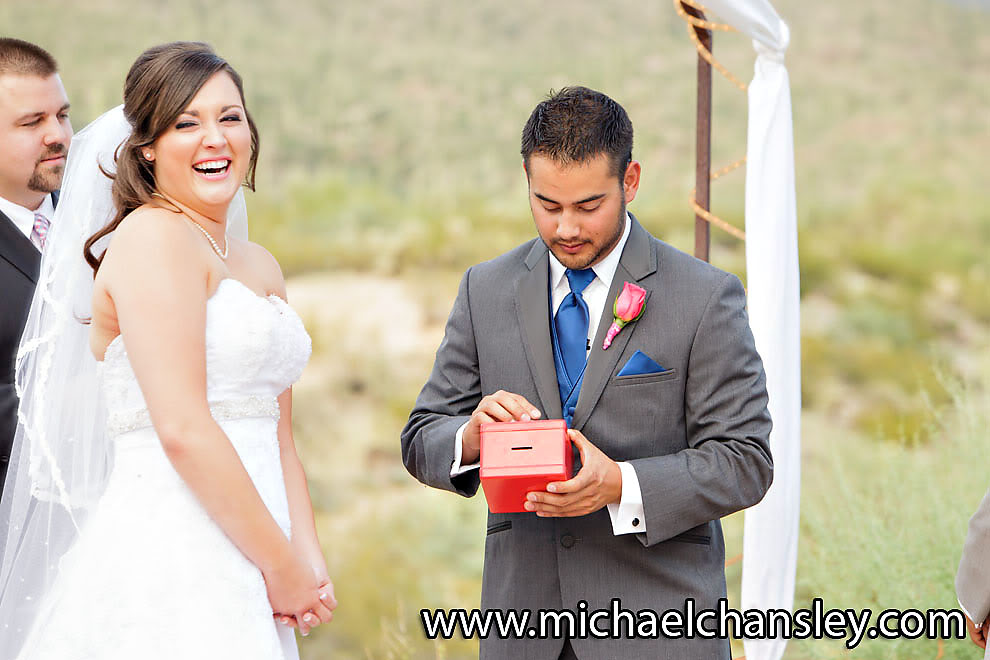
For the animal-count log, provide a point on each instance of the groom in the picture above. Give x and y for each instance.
(34, 139)
(670, 422)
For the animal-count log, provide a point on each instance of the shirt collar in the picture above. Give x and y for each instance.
(604, 269)
(23, 218)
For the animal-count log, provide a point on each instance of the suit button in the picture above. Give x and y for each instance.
(567, 541)
(635, 522)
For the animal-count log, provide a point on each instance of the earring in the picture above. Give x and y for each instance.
(147, 155)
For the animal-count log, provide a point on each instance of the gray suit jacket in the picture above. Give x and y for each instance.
(696, 434)
(973, 576)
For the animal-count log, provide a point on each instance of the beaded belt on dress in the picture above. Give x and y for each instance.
(251, 406)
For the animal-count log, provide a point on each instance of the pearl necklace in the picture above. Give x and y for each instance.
(216, 248)
(213, 243)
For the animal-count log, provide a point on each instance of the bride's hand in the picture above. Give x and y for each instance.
(294, 591)
(328, 598)
(327, 594)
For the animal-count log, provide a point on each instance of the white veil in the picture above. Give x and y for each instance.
(61, 457)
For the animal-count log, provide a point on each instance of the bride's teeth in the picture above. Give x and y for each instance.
(212, 167)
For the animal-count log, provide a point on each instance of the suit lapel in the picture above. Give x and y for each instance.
(637, 262)
(17, 249)
(533, 311)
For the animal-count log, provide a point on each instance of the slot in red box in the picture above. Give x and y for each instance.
(520, 457)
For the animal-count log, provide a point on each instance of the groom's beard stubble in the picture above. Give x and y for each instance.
(601, 252)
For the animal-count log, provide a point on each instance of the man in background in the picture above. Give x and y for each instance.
(34, 141)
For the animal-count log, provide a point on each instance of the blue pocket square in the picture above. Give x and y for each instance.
(640, 364)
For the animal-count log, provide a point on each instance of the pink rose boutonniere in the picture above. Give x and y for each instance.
(629, 306)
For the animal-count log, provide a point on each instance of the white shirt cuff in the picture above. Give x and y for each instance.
(456, 468)
(627, 516)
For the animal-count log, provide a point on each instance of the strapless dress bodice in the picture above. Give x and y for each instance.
(256, 347)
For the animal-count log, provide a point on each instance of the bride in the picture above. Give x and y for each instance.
(156, 486)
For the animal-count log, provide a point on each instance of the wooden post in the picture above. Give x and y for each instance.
(703, 141)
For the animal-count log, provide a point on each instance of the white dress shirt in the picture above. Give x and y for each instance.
(627, 515)
(23, 218)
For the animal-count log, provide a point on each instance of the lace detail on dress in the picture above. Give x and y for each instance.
(121, 422)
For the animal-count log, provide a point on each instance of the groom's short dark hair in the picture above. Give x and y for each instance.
(23, 58)
(577, 124)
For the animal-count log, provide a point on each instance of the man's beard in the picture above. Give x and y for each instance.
(609, 245)
(48, 180)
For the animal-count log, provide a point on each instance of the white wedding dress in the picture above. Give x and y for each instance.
(151, 575)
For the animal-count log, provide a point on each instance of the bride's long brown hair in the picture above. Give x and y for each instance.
(160, 85)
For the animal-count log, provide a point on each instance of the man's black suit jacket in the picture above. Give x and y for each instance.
(19, 266)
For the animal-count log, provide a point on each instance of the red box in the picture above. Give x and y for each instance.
(520, 457)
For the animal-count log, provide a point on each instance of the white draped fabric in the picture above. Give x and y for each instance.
(770, 543)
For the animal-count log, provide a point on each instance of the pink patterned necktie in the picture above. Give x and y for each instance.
(40, 231)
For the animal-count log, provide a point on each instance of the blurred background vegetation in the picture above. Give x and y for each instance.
(390, 164)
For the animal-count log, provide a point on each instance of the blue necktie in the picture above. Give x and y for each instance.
(571, 324)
